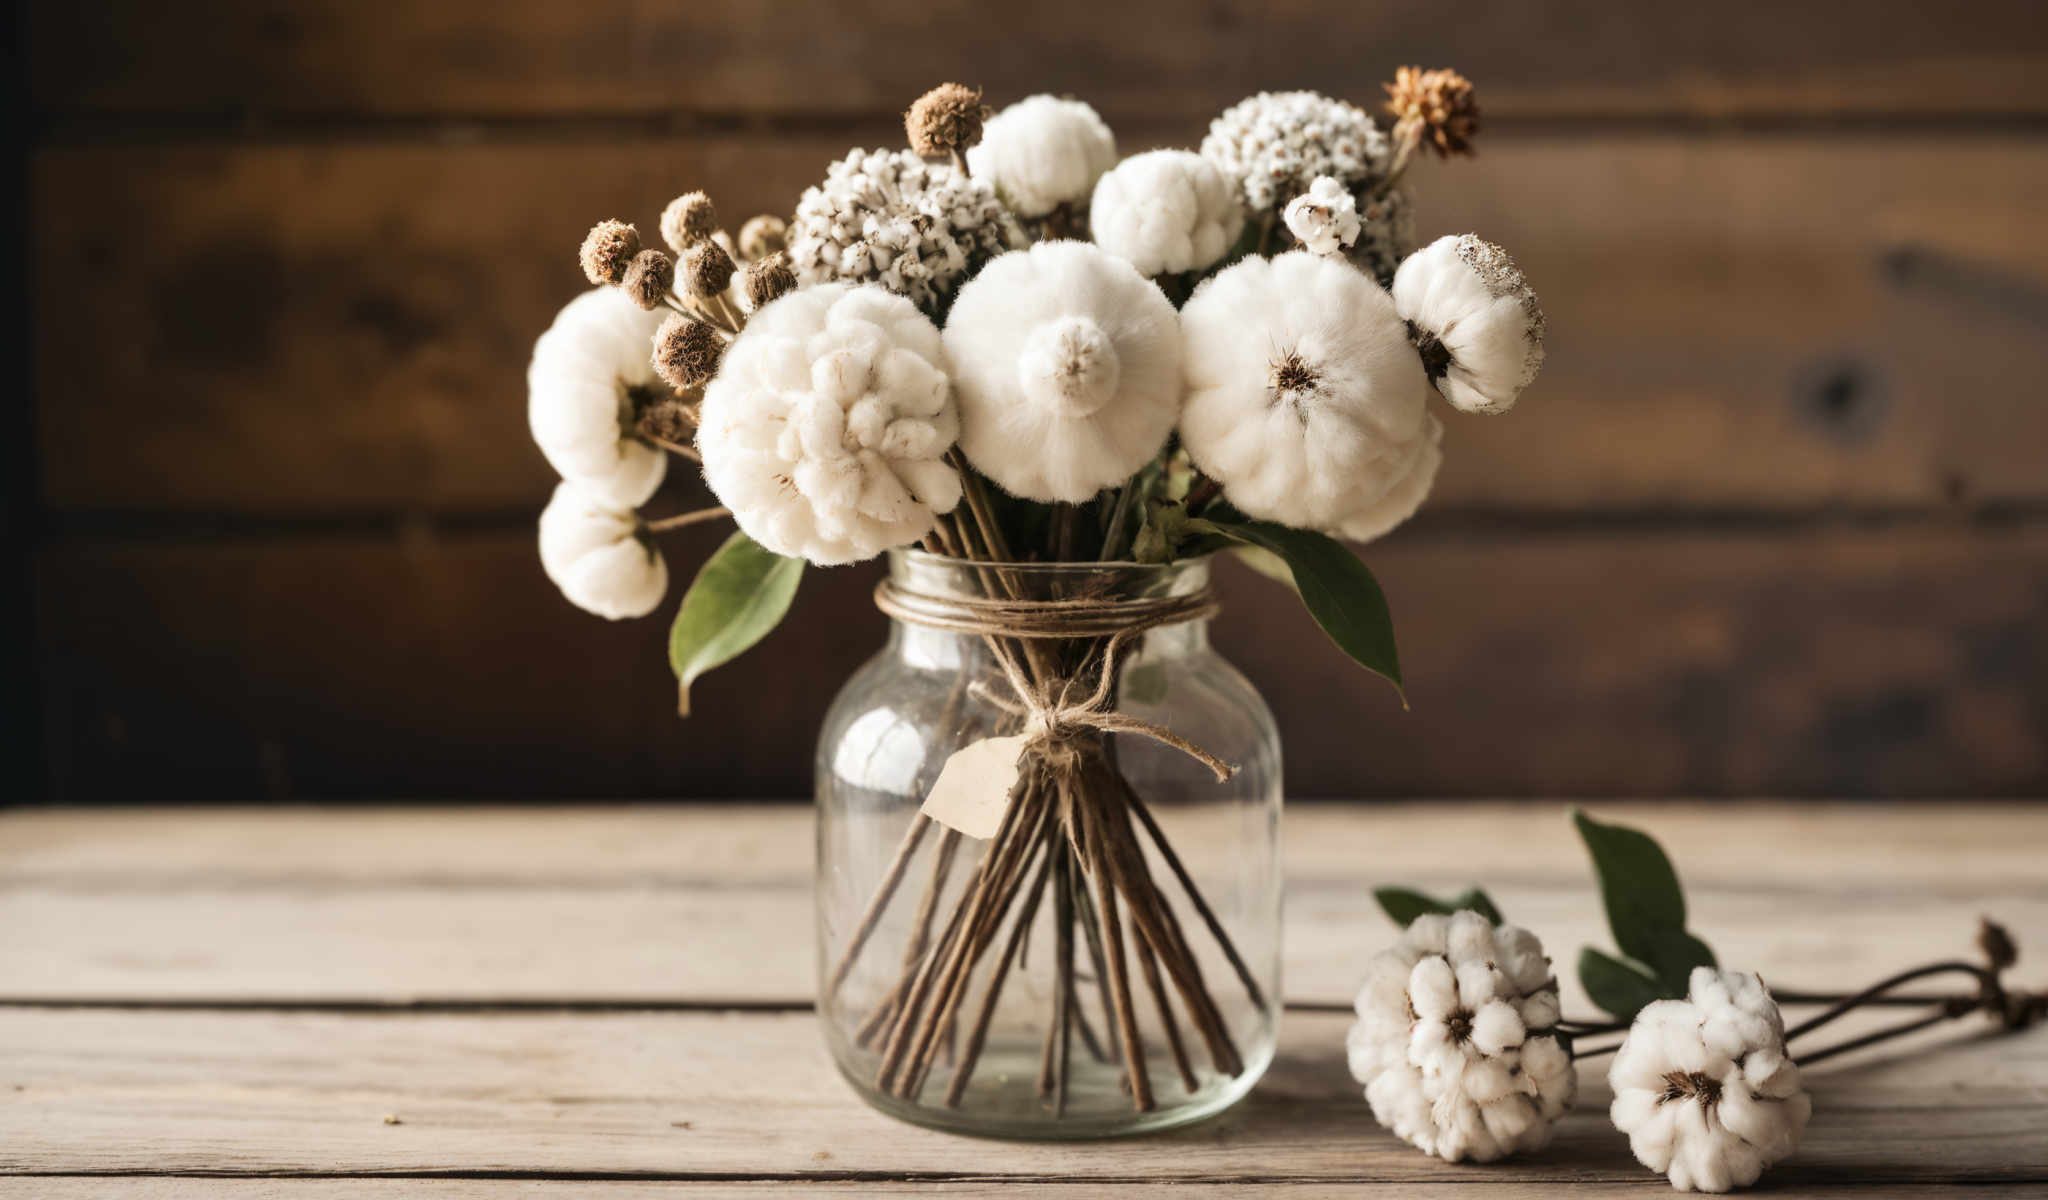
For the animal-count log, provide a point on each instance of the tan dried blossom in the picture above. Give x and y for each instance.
(762, 236)
(707, 270)
(687, 220)
(648, 279)
(769, 278)
(945, 121)
(1439, 104)
(608, 250)
(686, 352)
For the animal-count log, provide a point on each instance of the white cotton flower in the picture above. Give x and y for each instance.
(1066, 363)
(1305, 399)
(1703, 1087)
(1273, 145)
(590, 372)
(890, 217)
(595, 553)
(1455, 1040)
(827, 424)
(1043, 152)
(1325, 217)
(1475, 319)
(1165, 210)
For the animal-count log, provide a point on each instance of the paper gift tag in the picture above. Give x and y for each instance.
(974, 787)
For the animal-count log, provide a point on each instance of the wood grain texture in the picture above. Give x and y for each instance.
(1748, 323)
(1828, 661)
(157, 1187)
(257, 59)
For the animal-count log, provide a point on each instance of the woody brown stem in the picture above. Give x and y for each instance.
(1113, 946)
(1019, 933)
(1194, 895)
(919, 826)
(689, 518)
(1148, 965)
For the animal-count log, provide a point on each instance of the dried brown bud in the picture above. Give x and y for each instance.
(769, 278)
(669, 420)
(608, 250)
(762, 236)
(1441, 103)
(946, 120)
(648, 278)
(686, 352)
(1996, 944)
(688, 220)
(707, 270)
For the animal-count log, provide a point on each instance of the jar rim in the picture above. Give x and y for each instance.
(921, 557)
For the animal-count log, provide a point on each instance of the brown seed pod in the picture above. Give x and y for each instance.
(945, 121)
(686, 352)
(687, 220)
(608, 250)
(648, 279)
(707, 270)
(1441, 102)
(762, 236)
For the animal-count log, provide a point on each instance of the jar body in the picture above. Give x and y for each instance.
(1131, 900)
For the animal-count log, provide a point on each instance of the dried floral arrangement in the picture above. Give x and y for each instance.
(1007, 344)
(1465, 1055)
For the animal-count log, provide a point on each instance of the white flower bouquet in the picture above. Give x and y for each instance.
(1005, 346)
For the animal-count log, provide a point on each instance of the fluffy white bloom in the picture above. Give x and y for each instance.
(825, 428)
(595, 554)
(1455, 1040)
(589, 372)
(1325, 217)
(1165, 210)
(1066, 363)
(1703, 1088)
(890, 217)
(1476, 321)
(1305, 399)
(1043, 152)
(1274, 144)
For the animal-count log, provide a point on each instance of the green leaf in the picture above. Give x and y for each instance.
(1621, 989)
(1265, 562)
(1340, 593)
(1403, 905)
(1645, 905)
(739, 596)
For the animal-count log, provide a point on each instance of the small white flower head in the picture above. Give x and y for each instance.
(590, 375)
(1703, 1087)
(827, 424)
(1474, 319)
(1456, 1040)
(596, 554)
(1066, 363)
(1305, 399)
(1325, 217)
(1165, 211)
(889, 217)
(1043, 152)
(1273, 145)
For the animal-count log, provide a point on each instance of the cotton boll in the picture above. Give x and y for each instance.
(825, 428)
(1066, 364)
(1325, 217)
(595, 554)
(1043, 152)
(1305, 398)
(582, 386)
(1477, 322)
(1166, 211)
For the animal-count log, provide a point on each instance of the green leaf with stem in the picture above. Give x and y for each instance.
(1645, 904)
(1338, 590)
(1403, 905)
(1619, 988)
(740, 594)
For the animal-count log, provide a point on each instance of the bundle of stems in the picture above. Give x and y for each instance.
(1073, 838)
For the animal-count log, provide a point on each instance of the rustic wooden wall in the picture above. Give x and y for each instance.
(1774, 520)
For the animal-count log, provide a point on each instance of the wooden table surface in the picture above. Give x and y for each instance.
(614, 1003)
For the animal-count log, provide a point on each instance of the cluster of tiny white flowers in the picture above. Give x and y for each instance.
(1043, 152)
(580, 390)
(1455, 1040)
(1067, 368)
(1703, 1087)
(825, 429)
(598, 555)
(1166, 211)
(1274, 145)
(1476, 318)
(890, 217)
(1305, 399)
(1325, 217)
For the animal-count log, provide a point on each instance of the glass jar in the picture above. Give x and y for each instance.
(1129, 897)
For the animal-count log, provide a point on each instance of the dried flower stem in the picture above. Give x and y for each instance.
(689, 518)
(689, 452)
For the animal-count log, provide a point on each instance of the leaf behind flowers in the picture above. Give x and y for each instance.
(1403, 905)
(740, 595)
(1338, 590)
(1620, 989)
(1645, 904)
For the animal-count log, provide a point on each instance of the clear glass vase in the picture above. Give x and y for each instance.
(1129, 897)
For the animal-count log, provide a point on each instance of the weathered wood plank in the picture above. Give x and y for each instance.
(259, 60)
(753, 1094)
(158, 1187)
(1888, 661)
(1745, 322)
(696, 905)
